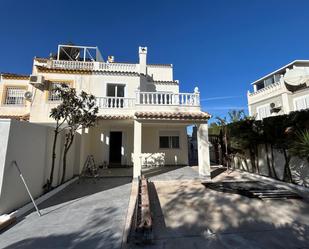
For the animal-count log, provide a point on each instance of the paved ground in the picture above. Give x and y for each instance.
(169, 173)
(84, 215)
(187, 215)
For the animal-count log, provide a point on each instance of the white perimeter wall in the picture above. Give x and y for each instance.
(299, 168)
(31, 146)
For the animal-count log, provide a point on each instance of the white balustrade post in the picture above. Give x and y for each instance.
(137, 97)
(196, 96)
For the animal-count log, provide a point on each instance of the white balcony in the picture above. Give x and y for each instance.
(267, 92)
(151, 101)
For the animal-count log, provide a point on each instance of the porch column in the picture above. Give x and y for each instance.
(137, 150)
(203, 150)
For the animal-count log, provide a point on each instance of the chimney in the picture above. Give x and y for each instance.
(142, 60)
(110, 59)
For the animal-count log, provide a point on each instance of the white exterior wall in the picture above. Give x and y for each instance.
(151, 148)
(277, 93)
(299, 167)
(99, 146)
(100, 135)
(31, 146)
(8, 110)
(160, 72)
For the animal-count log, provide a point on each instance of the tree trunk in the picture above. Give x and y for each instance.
(257, 158)
(51, 177)
(67, 146)
(268, 161)
(287, 175)
(252, 159)
(272, 161)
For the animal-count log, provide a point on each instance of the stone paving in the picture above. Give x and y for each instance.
(86, 214)
(187, 215)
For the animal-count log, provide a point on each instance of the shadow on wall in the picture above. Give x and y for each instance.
(195, 217)
(274, 165)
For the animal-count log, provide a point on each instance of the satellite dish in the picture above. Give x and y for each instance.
(296, 79)
(28, 95)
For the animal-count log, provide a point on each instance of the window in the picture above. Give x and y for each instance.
(269, 81)
(260, 85)
(115, 91)
(15, 96)
(301, 103)
(164, 142)
(169, 142)
(263, 111)
(53, 95)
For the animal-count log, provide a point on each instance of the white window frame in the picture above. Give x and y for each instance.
(15, 96)
(305, 98)
(259, 108)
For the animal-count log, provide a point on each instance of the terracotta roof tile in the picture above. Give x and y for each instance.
(41, 59)
(198, 116)
(176, 82)
(15, 76)
(114, 117)
(80, 71)
(17, 117)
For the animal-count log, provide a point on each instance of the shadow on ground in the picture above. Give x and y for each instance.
(87, 214)
(191, 216)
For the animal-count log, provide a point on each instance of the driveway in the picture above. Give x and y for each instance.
(86, 214)
(186, 214)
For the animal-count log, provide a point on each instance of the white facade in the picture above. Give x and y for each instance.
(272, 95)
(142, 115)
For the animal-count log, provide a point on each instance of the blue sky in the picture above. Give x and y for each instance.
(220, 46)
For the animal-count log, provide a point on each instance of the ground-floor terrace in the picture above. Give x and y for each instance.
(145, 141)
(186, 214)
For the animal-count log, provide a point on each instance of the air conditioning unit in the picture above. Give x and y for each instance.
(274, 108)
(37, 80)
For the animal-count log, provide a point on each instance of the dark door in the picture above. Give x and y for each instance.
(115, 147)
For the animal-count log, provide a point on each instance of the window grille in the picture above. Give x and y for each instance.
(15, 96)
(301, 103)
(53, 95)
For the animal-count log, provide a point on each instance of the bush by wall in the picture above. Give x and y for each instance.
(276, 147)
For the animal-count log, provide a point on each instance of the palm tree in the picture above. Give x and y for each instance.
(300, 147)
(236, 115)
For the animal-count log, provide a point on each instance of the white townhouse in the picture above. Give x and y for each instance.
(280, 92)
(142, 115)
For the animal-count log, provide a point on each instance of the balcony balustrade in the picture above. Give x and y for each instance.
(93, 65)
(150, 99)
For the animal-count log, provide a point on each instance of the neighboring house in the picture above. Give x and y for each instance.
(142, 115)
(13, 103)
(281, 91)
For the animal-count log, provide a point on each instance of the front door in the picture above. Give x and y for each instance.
(115, 148)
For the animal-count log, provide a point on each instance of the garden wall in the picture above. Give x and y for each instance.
(299, 168)
(31, 146)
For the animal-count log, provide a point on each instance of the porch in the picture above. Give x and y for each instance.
(128, 145)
